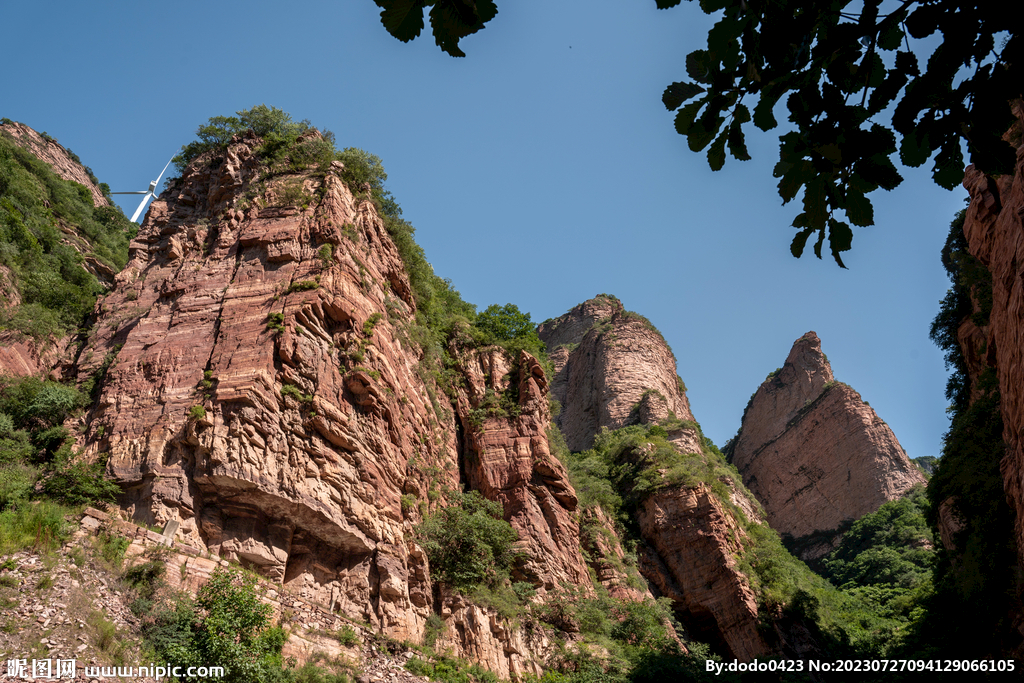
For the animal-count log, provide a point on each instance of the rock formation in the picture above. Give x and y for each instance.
(20, 354)
(261, 387)
(814, 454)
(994, 231)
(613, 368)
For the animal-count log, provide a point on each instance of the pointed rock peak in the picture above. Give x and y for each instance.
(814, 454)
(807, 369)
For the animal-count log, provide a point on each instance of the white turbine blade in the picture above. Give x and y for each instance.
(139, 192)
(138, 211)
(162, 172)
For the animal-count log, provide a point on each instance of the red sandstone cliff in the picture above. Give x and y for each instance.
(815, 455)
(994, 228)
(261, 388)
(613, 368)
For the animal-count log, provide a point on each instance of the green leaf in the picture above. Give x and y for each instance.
(815, 201)
(890, 33)
(799, 241)
(859, 209)
(701, 134)
(840, 237)
(793, 180)
(716, 152)
(686, 116)
(679, 92)
(821, 240)
(880, 171)
(737, 144)
(452, 20)
(914, 148)
(402, 18)
(949, 164)
(698, 66)
(763, 116)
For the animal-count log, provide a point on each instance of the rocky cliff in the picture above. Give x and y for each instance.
(613, 368)
(815, 454)
(42, 213)
(994, 230)
(261, 387)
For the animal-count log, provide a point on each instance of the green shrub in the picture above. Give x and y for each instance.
(468, 543)
(296, 393)
(78, 483)
(57, 292)
(326, 256)
(43, 526)
(302, 286)
(196, 413)
(228, 626)
(275, 321)
(347, 636)
(370, 323)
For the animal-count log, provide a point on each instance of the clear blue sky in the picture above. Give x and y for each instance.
(540, 170)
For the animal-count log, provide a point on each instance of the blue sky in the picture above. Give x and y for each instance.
(540, 170)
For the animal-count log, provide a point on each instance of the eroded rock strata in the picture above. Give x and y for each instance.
(262, 389)
(613, 368)
(814, 454)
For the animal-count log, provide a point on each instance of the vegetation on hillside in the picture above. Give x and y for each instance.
(40, 214)
(867, 618)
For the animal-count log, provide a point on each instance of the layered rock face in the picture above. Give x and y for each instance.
(612, 368)
(815, 455)
(261, 388)
(693, 542)
(507, 458)
(994, 231)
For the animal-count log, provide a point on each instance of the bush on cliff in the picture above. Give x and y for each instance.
(468, 543)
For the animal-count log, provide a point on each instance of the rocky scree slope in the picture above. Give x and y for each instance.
(815, 455)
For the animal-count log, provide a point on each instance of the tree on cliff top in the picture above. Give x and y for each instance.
(855, 90)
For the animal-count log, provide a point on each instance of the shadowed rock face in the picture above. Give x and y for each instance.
(994, 228)
(693, 542)
(814, 454)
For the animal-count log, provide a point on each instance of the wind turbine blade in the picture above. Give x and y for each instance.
(138, 211)
(162, 172)
(139, 192)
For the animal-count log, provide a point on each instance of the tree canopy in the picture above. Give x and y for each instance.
(859, 92)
